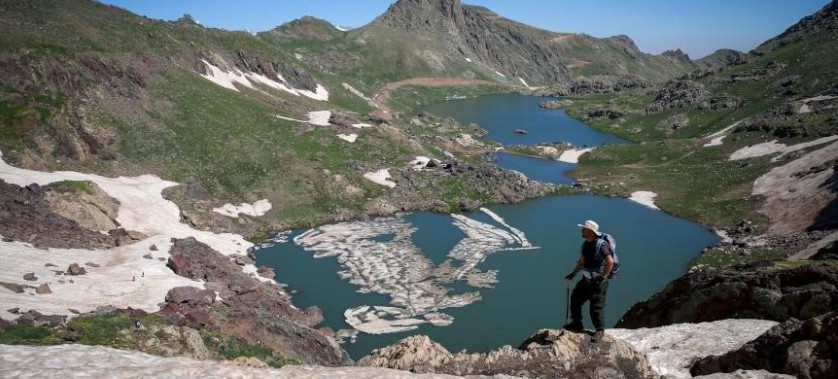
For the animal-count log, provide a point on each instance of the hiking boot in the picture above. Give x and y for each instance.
(574, 326)
(598, 335)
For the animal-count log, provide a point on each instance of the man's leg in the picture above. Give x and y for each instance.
(577, 298)
(598, 308)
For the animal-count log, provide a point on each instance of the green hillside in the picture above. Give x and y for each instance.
(699, 182)
(91, 87)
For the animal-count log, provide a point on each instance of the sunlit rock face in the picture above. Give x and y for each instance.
(379, 256)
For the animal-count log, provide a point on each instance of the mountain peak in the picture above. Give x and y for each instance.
(422, 14)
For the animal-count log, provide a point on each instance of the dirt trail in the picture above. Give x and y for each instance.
(381, 100)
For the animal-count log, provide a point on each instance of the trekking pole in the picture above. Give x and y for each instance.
(567, 306)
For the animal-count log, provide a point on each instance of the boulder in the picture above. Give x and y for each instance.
(75, 269)
(43, 289)
(192, 296)
(14, 287)
(546, 354)
(740, 292)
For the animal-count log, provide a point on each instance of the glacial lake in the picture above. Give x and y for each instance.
(496, 275)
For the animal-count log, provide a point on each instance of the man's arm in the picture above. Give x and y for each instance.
(609, 265)
(579, 264)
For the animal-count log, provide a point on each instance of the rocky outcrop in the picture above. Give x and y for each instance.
(546, 354)
(91, 207)
(741, 292)
(492, 183)
(294, 75)
(607, 84)
(825, 20)
(678, 94)
(25, 215)
(805, 349)
(257, 312)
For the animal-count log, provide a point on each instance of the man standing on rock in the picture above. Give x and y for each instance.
(596, 262)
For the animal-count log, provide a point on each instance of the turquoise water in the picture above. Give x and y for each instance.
(502, 114)
(530, 292)
(545, 170)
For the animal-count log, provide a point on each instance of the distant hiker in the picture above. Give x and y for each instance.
(596, 262)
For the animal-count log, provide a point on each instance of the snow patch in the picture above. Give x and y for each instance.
(348, 137)
(468, 60)
(355, 91)
(572, 155)
(80, 361)
(381, 177)
(672, 349)
(646, 198)
(773, 147)
(717, 137)
(319, 118)
(524, 82)
(419, 162)
(228, 79)
(257, 209)
(499, 74)
(131, 279)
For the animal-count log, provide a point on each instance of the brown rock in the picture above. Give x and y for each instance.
(198, 319)
(257, 312)
(14, 287)
(75, 269)
(547, 354)
(43, 289)
(30, 277)
(266, 272)
(190, 295)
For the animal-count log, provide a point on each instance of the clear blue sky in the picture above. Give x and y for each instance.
(698, 27)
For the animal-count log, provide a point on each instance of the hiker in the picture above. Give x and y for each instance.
(596, 262)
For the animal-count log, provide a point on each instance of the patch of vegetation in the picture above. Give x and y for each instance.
(112, 330)
(786, 265)
(28, 335)
(721, 258)
(72, 186)
(229, 347)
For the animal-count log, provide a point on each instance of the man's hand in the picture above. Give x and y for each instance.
(600, 279)
(569, 278)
